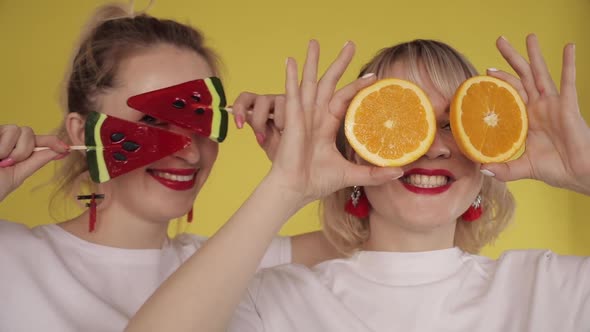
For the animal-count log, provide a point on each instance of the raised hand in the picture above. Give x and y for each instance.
(17, 160)
(558, 141)
(306, 160)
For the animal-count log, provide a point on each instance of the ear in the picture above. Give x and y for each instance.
(75, 126)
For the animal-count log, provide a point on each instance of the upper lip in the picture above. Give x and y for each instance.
(430, 172)
(175, 171)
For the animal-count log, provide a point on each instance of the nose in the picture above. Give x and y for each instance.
(192, 153)
(439, 148)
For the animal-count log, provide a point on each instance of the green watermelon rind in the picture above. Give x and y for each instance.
(95, 154)
(219, 123)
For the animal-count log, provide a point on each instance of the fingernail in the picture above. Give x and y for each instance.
(6, 162)
(239, 121)
(397, 176)
(260, 138)
(61, 156)
(503, 37)
(286, 61)
(66, 146)
(487, 172)
(347, 42)
(367, 75)
(492, 69)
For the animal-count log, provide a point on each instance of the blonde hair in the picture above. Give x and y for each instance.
(113, 33)
(447, 69)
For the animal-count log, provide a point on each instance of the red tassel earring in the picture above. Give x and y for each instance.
(358, 205)
(92, 208)
(475, 210)
(189, 216)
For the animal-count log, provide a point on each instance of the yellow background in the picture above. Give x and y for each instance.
(254, 38)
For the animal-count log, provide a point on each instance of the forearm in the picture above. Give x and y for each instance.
(205, 290)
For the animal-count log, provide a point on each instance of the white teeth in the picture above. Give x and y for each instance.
(425, 181)
(174, 177)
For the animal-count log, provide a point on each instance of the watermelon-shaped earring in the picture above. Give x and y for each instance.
(198, 106)
(115, 146)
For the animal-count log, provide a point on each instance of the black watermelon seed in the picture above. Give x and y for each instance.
(117, 137)
(196, 97)
(130, 146)
(119, 156)
(200, 111)
(179, 103)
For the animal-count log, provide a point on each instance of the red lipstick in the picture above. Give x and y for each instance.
(428, 172)
(173, 184)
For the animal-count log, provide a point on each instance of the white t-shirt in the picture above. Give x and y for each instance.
(444, 290)
(51, 280)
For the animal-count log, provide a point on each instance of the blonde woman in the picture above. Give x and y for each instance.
(413, 264)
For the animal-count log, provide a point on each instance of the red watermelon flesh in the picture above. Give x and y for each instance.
(197, 105)
(117, 146)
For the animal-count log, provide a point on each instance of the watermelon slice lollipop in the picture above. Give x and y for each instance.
(197, 105)
(117, 146)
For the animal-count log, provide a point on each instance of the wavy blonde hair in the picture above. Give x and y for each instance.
(447, 69)
(113, 33)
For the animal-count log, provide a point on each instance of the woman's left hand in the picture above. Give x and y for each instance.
(558, 142)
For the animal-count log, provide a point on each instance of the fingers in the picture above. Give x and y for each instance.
(259, 118)
(520, 66)
(510, 79)
(509, 171)
(543, 81)
(310, 75)
(26, 168)
(54, 143)
(9, 135)
(292, 99)
(341, 100)
(327, 83)
(243, 103)
(24, 145)
(568, 74)
(366, 175)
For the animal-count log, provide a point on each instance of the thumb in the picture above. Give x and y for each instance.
(509, 171)
(364, 175)
(27, 167)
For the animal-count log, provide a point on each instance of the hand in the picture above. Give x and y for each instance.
(17, 160)
(257, 109)
(307, 161)
(558, 140)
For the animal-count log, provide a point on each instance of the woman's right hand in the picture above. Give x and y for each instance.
(306, 161)
(17, 160)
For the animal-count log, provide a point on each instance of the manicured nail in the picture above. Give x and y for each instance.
(492, 69)
(67, 147)
(260, 138)
(367, 75)
(487, 172)
(6, 162)
(503, 37)
(239, 121)
(61, 156)
(347, 42)
(397, 176)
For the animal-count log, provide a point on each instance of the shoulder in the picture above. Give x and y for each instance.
(14, 234)
(282, 279)
(189, 239)
(531, 264)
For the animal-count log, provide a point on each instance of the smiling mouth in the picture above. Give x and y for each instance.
(175, 179)
(426, 181)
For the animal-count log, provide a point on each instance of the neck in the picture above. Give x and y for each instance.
(117, 227)
(388, 235)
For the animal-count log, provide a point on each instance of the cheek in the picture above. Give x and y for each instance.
(209, 151)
